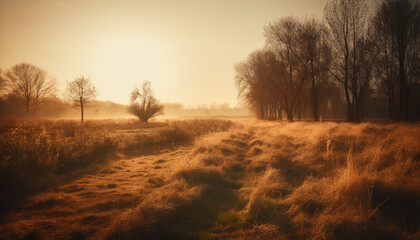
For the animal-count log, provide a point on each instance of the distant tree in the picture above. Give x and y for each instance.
(79, 92)
(2, 82)
(351, 63)
(397, 44)
(29, 84)
(257, 86)
(143, 104)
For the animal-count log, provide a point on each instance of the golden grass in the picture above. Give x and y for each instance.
(36, 155)
(257, 180)
(349, 181)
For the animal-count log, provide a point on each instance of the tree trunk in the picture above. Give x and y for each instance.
(289, 114)
(348, 103)
(346, 81)
(390, 110)
(27, 107)
(27, 104)
(279, 112)
(314, 102)
(81, 107)
(262, 111)
(357, 111)
(403, 93)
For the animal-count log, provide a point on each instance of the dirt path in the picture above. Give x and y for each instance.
(89, 204)
(262, 180)
(88, 207)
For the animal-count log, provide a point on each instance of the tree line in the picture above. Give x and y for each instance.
(351, 63)
(26, 88)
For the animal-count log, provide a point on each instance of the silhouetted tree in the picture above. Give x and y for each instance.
(385, 69)
(284, 39)
(317, 51)
(29, 84)
(397, 43)
(247, 84)
(351, 64)
(276, 79)
(143, 104)
(308, 68)
(330, 98)
(256, 82)
(2, 82)
(79, 92)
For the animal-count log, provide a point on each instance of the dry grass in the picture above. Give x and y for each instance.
(257, 180)
(36, 155)
(349, 181)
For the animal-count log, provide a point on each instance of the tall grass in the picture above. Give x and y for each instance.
(259, 180)
(354, 181)
(294, 181)
(33, 155)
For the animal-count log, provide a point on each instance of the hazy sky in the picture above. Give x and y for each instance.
(187, 49)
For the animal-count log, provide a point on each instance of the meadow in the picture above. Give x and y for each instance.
(40, 154)
(210, 179)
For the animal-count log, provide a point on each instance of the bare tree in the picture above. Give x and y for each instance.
(29, 84)
(247, 84)
(347, 21)
(2, 81)
(283, 38)
(385, 69)
(2, 89)
(257, 86)
(397, 36)
(143, 104)
(79, 92)
(317, 51)
(275, 79)
(294, 70)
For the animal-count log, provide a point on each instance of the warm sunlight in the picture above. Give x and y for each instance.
(210, 119)
(127, 60)
(175, 44)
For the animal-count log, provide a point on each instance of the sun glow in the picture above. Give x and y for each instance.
(187, 49)
(126, 61)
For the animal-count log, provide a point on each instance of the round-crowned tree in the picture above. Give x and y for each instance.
(143, 104)
(29, 84)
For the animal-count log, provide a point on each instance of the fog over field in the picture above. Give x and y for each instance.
(234, 119)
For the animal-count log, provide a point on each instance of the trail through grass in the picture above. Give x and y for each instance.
(90, 204)
(257, 180)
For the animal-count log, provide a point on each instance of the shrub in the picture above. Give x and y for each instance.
(28, 159)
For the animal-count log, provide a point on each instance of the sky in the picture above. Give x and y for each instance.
(187, 49)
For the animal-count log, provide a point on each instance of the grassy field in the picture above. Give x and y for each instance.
(38, 155)
(210, 179)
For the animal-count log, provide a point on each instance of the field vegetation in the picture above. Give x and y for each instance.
(220, 179)
(250, 180)
(37, 155)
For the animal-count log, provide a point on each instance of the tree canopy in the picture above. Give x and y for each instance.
(143, 104)
(30, 84)
(79, 92)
